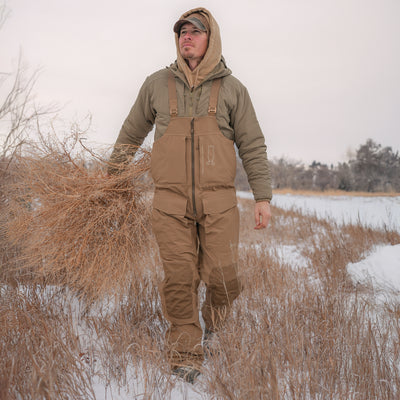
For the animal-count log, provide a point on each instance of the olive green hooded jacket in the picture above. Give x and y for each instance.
(235, 113)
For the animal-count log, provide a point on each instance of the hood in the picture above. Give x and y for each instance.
(212, 56)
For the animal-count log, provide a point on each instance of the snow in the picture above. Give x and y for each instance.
(291, 255)
(288, 254)
(381, 268)
(376, 212)
(180, 391)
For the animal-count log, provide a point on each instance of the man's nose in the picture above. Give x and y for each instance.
(187, 35)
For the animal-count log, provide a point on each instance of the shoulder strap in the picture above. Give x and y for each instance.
(212, 106)
(173, 101)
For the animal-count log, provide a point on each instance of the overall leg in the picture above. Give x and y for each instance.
(219, 236)
(178, 243)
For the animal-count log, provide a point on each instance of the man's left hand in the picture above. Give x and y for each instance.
(262, 214)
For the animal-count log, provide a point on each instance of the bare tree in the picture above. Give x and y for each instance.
(18, 110)
(18, 113)
(3, 14)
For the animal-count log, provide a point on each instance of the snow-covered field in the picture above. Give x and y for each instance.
(376, 212)
(381, 266)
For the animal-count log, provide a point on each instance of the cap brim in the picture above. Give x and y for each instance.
(194, 21)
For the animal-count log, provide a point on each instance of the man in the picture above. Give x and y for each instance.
(200, 110)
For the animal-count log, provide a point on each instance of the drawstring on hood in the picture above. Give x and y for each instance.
(212, 56)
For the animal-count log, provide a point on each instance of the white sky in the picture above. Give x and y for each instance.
(323, 74)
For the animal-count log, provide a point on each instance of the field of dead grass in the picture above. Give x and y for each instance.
(84, 308)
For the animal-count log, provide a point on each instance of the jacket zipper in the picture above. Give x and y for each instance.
(193, 175)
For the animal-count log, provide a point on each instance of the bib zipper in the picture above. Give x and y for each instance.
(193, 171)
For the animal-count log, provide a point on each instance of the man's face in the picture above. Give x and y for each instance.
(193, 42)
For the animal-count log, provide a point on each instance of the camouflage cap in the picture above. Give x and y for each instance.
(197, 19)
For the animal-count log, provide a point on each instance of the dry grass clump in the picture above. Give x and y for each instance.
(39, 347)
(8, 251)
(72, 223)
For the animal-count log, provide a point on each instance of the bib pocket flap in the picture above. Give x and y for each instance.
(170, 203)
(215, 202)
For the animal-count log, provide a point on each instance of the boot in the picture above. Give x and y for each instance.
(189, 374)
(207, 343)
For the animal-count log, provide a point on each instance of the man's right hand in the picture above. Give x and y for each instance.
(262, 214)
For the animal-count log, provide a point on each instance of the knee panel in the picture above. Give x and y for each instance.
(179, 292)
(224, 285)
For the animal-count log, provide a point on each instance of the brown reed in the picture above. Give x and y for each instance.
(39, 347)
(73, 223)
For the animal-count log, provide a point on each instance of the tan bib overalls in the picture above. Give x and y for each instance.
(196, 224)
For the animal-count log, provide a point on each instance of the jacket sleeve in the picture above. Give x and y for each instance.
(135, 128)
(251, 145)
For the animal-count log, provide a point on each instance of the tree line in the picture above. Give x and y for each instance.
(373, 168)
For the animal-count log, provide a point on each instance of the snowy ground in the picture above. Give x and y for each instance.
(381, 267)
(376, 212)
(181, 391)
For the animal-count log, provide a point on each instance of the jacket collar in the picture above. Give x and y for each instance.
(219, 71)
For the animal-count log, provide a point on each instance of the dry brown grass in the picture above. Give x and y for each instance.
(71, 223)
(39, 347)
(300, 330)
(309, 332)
(332, 192)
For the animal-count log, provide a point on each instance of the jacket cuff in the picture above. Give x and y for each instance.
(267, 200)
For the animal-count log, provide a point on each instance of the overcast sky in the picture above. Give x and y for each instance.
(323, 74)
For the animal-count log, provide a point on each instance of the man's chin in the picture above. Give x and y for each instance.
(187, 56)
